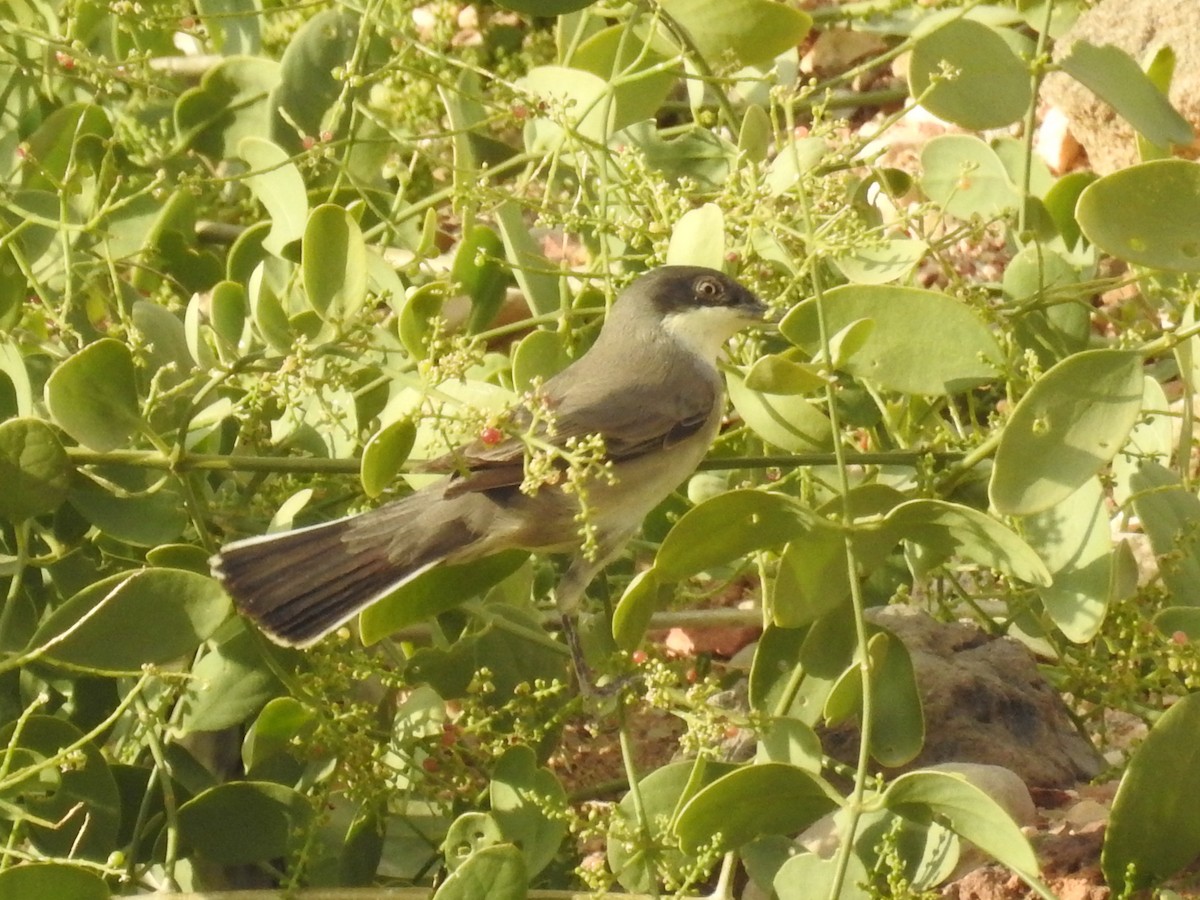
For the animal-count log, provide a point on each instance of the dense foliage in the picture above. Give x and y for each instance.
(256, 257)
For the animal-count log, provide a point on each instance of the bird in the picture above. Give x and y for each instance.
(649, 387)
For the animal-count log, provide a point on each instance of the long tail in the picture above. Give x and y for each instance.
(300, 585)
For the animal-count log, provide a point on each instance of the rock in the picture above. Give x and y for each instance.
(1140, 28)
(984, 701)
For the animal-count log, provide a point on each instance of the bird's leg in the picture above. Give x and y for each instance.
(567, 597)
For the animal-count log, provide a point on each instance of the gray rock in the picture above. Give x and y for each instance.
(985, 702)
(1140, 28)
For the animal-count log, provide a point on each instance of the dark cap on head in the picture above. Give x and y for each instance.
(675, 289)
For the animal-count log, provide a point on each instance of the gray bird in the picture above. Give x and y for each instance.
(649, 386)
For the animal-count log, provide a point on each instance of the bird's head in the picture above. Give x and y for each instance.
(697, 307)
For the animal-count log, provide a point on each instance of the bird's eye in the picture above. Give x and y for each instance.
(709, 289)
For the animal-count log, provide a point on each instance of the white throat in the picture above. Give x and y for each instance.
(703, 331)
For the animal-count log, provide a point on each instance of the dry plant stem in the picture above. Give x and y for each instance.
(846, 845)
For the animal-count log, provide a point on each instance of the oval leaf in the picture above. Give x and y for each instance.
(1074, 539)
(385, 454)
(1154, 827)
(698, 238)
(786, 420)
(1065, 430)
(945, 529)
(728, 527)
(1116, 78)
(495, 872)
(93, 395)
(753, 31)
(51, 881)
(126, 621)
(966, 178)
(34, 470)
(529, 803)
(769, 798)
(923, 342)
(1147, 214)
(277, 184)
(334, 263)
(243, 821)
(955, 65)
(968, 812)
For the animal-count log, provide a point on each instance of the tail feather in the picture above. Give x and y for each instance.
(300, 585)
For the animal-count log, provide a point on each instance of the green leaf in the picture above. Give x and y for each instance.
(385, 454)
(497, 873)
(545, 7)
(768, 798)
(898, 723)
(230, 683)
(334, 264)
(235, 25)
(756, 134)
(698, 238)
(68, 137)
(786, 420)
(793, 742)
(966, 178)
(1169, 512)
(890, 261)
(752, 31)
(539, 356)
(775, 373)
(243, 821)
(126, 621)
(469, 833)
(51, 881)
(807, 875)
(1065, 430)
(229, 104)
(531, 268)
(1154, 826)
(93, 395)
(34, 469)
(981, 64)
(1060, 202)
(1074, 539)
(277, 726)
(644, 596)
(435, 592)
(478, 267)
(1146, 214)
(634, 64)
(576, 102)
(145, 519)
(811, 580)
(923, 342)
(1113, 76)
(417, 316)
(308, 88)
(965, 810)
(728, 527)
(276, 182)
(85, 808)
(529, 804)
(945, 529)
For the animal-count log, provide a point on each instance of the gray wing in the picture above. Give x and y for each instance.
(649, 414)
